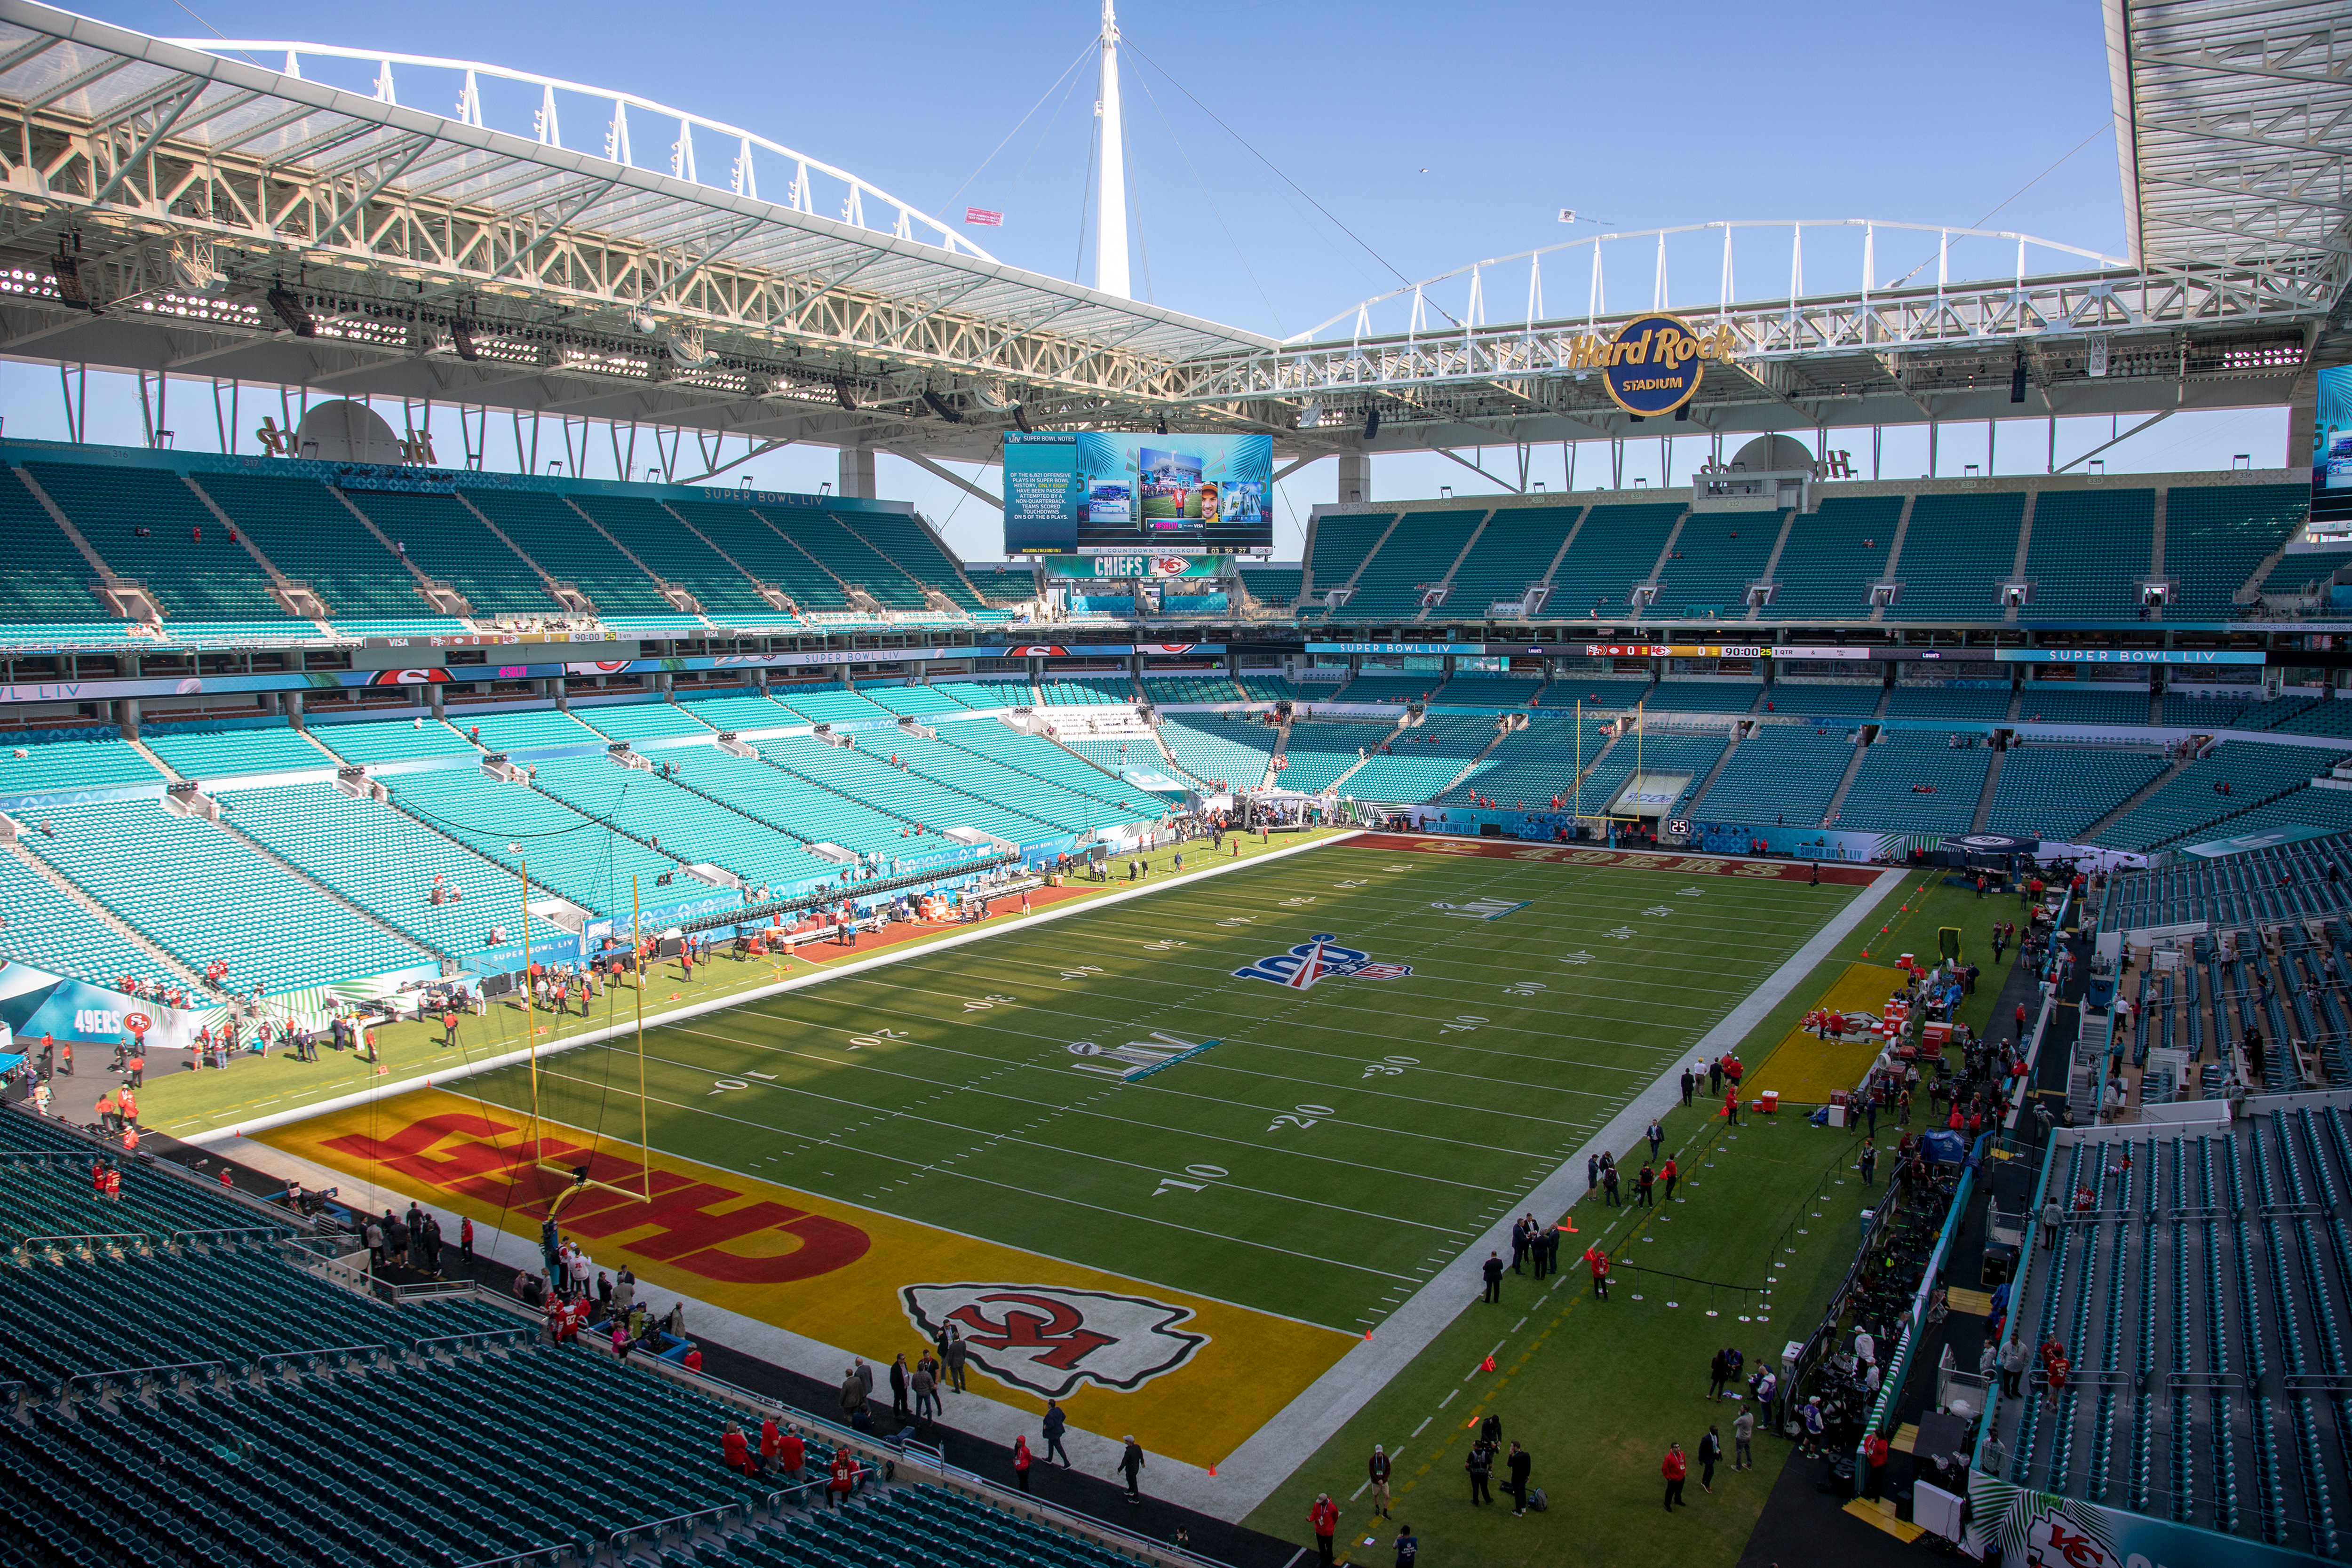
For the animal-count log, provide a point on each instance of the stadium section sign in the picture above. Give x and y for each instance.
(1133, 565)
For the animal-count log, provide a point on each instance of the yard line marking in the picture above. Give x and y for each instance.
(1517, 1326)
(1448, 1399)
(1423, 1426)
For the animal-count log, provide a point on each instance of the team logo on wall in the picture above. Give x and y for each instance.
(1050, 1339)
(1320, 958)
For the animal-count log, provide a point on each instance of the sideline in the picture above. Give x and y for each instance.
(439, 1074)
(1271, 1454)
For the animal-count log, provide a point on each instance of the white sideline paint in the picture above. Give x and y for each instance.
(462, 1069)
(1251, 1473)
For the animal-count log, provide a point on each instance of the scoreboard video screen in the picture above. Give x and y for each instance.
(1082, 493)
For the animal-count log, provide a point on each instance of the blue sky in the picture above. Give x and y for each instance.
(1428, 138)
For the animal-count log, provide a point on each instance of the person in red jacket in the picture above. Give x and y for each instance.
(792, 1461)
(1022, 1460)
(1325, 1517)
(1873, 1454)
(844, 1479)
(735, 1451)
(1599, 1262)
(1674, 1470)
(771, 1438)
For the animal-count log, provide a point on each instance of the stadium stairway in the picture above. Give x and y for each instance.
(1845, 785)
(1992, 785)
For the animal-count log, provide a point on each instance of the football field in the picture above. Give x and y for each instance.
(1236, 1121)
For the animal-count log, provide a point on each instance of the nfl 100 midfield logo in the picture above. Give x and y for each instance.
(1319, 958)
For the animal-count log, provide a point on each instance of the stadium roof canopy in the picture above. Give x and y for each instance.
(166, 206)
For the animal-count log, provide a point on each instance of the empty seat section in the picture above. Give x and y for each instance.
(1230, 753)
(49, 930)
(1717, 557)
(1390, 685)
(186, 560)
(907, 541)
(739, 713)
(667, 813)
(1831, 558)
(2331, 718)
(1616, 548)
(1161, 690)
(2049, 792)
(1321, 750)
(1078, 690)
(1916, 781)
(312, 537)
(568, 549)
(751, 543)
(1594, 693)
(834, 539)
(1003, 584)
(201, 894)
(2074, 702)
(1704, 696)
(417, 738)
(806, 810)
(1033, 756)
(382, 859)
(74, 761)
(213, 751)
(1513, 553)
(449, 544)
(1090, 799)
(642, 721)
(983, 691)
(914, 701)
(1988, 701)
(2248, 771)
(1418, 554)
(653, 533)
(1274, 587)
(1532, 766)
(1783, 775)
(867, 776)
(48, 579)
(1958, 552)
(1417, 764)
(2090, 549)
(564, 854)
(1340, 542)
(1485, 690)
(2216, 535)
(1266, 686)
(528, 730)
(826, 702)
(1824, 699)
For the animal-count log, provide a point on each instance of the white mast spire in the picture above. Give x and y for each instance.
(1110, 219)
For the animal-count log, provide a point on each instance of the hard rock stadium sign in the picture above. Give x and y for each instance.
(1651, 364)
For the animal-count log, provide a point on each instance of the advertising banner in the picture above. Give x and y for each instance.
(2028, 1528)
(1070, 493)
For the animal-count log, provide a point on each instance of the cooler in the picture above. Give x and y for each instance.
(1769, 1102)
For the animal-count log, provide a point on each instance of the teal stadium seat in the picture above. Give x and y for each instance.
(1833, 556)
(48, 579)
(310, 535)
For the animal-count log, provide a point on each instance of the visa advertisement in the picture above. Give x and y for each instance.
(1075, 493)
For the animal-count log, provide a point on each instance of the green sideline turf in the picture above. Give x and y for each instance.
(1345, 1141)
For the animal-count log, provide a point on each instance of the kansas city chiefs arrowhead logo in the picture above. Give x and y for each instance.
(1050, 1339)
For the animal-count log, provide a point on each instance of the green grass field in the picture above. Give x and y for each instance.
(1334, 1147)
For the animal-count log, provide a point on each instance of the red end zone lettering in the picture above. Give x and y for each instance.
(1681, 865)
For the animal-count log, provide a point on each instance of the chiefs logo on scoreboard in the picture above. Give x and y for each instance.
(1050, 1339)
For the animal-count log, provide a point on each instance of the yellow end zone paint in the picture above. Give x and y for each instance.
(1805, 1067)
(1190, 1376)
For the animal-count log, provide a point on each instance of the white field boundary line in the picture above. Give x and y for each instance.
(1253, 1471)
(464, 1069)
